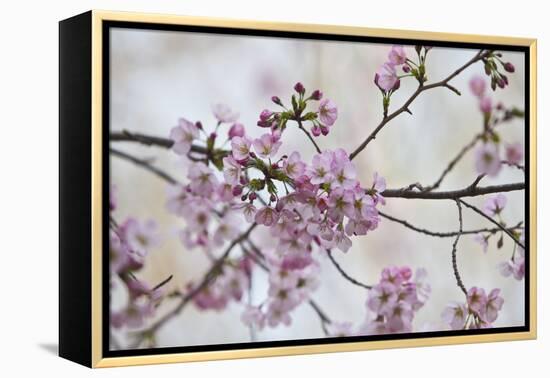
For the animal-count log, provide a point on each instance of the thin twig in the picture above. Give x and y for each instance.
(453, 252)
(144, 164)
(421, 88)
(443, 234)
(308, 135)
(344, 274)
(506, 231)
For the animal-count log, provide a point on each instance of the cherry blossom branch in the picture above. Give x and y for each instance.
(504, 229)
(257, 256)
(453, 252)
(344, 274)
(444, 234)
(144, 164)
(405, 108)
(208, 278)
(469, 191)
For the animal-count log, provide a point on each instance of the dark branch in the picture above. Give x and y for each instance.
(453, 252)
(309, 136)
(344, 274)
(405, 108)
(470, 191)
(144, 164)
(504, 229)
(443, 234)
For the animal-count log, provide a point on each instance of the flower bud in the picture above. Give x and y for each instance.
(237, 190)
(316, 130)
(406, 68)
(501, 83)
(272, 198)
(243, 198)
(509, 67)
(299, 88)
(252, 196)
(397, 85)
(252, 155)
(237, 130)
(243, 180)
(276, 100)
(198, 125)
(265, 114)
(324, 130)
(317, 95)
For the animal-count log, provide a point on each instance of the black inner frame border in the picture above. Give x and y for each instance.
(108, 25)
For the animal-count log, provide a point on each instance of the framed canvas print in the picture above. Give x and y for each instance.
(236, 189)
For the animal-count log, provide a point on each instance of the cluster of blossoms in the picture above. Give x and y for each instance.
(289, 286)
(321, 119)
(230, 283)
(479, 311)
(394, 300)
(388, 78)
(487, 157)
(129, 244)
(492, 61)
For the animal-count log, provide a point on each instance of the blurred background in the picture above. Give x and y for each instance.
(157, 77)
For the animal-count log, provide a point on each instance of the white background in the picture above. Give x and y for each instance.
(29, 190)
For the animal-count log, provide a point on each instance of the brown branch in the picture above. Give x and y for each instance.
(144, 164)
(449, 234)
(405, 108)
(453, 252)
(504, 229)
(470, 191)
(207, 280)
(344, 274)
(308, 135)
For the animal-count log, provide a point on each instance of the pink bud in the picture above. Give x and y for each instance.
(265, 114)
(509, 67)
(406, 68)
(317, 95)
(237, 130)
(299, 87)
(198, 124)
(276, 100)
(252, 196)
(237, 190)
(316, 130)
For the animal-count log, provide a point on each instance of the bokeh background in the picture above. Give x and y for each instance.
(157, 77)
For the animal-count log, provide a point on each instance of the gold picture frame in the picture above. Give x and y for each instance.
(96, 20)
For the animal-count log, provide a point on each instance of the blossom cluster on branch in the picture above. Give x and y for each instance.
(310, 207)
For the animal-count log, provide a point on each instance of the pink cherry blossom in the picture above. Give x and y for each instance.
(253, 316)
(494, 204)
(320, 171)
(487, 160)
(203, 181)
(483, 241)
(224, 114)
(183, 136)
(382, 298)
(477, 300)
(386, 77)
(493, 306)
(486, 104)
(240, 147)
(340, 329)
(266, 146)
(140, 236)
(478, 86)
(293, 166)
(455, 315)
(514, 153)
(266, 216)
(328, 112)
(397, 55)
(231, 170)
